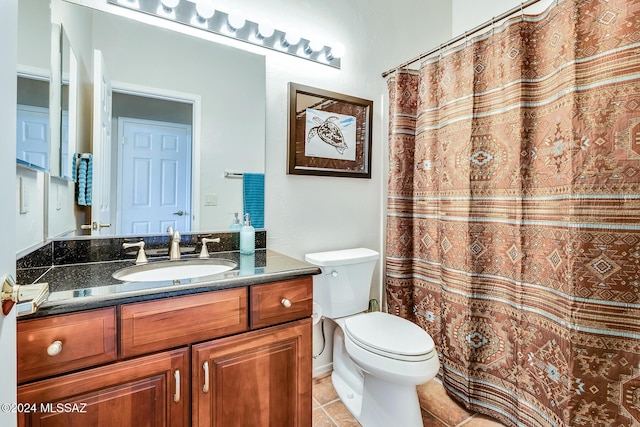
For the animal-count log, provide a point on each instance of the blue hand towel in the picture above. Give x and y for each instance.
(83, 177)
(253, 197)
(89, 180)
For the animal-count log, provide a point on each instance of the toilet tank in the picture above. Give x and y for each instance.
(343, 287)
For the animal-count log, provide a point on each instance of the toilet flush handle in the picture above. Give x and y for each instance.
(333, 274)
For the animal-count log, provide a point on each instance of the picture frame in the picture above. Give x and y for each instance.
(329, 133)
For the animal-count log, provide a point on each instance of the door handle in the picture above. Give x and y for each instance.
(176, 395)
(205, 387)
(94, 226)
(180, 213)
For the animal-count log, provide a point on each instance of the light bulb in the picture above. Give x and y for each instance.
(313, 46)
(336, 51)
(205, 9)
(235, 20)
(291, 38)
(170, 4)
(166, 8)
(265, 30)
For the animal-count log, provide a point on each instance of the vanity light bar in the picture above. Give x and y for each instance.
(219, 23)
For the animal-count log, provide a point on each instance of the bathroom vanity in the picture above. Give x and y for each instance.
(234, 351)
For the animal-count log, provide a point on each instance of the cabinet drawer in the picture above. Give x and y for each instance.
(279, 302)
(146, 391)
(172, 322)
(57, 344)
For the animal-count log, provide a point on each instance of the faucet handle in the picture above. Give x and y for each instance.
(204, 253)
(142, 256)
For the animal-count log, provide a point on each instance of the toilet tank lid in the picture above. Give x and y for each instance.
(342, 257)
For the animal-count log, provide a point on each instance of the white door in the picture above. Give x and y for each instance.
(101, 191)
(32, 135)
(8, 213)
(155, 171)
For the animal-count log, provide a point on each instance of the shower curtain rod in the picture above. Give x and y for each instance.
(466, 34)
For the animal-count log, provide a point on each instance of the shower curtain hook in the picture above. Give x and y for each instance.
(493, 25)
(465, 39)
(522, 10)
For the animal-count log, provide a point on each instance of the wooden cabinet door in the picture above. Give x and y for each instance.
(146, 391)
(259, 378)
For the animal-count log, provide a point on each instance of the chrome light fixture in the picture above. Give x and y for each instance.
(202, 14)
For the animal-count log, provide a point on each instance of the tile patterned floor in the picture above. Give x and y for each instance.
(439, 410)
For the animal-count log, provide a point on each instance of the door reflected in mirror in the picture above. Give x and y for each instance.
(32, 122)
(153, 163)
(33, 127)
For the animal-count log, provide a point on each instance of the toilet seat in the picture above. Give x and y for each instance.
(389, 336)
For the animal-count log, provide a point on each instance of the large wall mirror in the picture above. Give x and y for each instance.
(202, 101)
(33, 139)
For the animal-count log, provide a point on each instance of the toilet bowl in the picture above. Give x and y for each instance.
(378, 358)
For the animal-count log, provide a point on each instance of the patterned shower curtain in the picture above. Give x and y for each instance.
(514, 214)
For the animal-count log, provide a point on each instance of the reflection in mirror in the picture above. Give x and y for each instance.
(68, 117)
(225, 90)
(138, 121)
(34, 61)
(32, 124)
(223, 86)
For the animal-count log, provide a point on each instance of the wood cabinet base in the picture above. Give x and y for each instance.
(260, 378)
(147, 391)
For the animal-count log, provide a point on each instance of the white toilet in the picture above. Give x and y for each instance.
(378, 358)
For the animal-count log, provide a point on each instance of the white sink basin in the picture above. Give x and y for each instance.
(174, 270)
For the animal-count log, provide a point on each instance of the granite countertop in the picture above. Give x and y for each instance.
(76, 287)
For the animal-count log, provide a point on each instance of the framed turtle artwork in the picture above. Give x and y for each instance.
(329, 133)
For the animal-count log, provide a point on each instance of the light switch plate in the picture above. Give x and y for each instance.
(211, 200)
(24, 197)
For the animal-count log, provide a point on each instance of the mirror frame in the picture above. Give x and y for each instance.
(68, 78)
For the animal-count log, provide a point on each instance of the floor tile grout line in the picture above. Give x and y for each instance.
(332, 401)
(329, 416)
(442, 421)
(463, 422)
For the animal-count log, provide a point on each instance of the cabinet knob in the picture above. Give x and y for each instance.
(54, 348)
(286, 303)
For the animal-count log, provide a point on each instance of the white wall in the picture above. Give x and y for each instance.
(31, 221)
(306, 213)
(8, 49)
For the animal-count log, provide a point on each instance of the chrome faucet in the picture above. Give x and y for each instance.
(174, 243)
(204, 253)
(141, 257)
